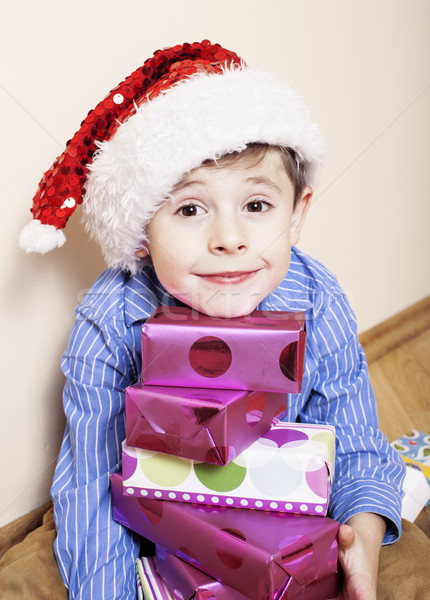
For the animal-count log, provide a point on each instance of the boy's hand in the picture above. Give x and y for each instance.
(359, 545)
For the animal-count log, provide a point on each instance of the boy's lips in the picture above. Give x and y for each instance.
(228, 277)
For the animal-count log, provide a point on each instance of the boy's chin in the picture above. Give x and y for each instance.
(224, 310)
(223, 314)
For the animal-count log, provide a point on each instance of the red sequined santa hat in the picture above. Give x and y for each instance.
(187, 104)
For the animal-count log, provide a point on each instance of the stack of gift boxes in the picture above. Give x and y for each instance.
(233, 497)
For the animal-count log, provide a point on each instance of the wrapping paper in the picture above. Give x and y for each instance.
(212, 426)
(262, 351)
(258, 553)
(188, 583)
(149, 584)
(416, 493)
(288, 469)
(414, 448)
(156, 576)
(139, 590)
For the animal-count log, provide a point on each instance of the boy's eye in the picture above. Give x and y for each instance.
(190, 210)
(257, 206)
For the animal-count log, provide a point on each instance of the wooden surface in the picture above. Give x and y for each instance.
(397, 331)
(398, 353)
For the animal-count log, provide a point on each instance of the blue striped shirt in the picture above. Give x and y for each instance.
(95, 554)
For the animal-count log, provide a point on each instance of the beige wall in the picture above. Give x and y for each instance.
(364, 68)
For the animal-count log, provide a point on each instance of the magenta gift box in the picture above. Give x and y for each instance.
(262, 351)
(211, 426)
(185, 582)
(260, 554)
(170, 578)
(167, 577)
(289, 469)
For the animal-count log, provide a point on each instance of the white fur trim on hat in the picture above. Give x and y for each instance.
(38, 237)
(203, 117)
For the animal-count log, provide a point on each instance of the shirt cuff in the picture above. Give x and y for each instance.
(367, 496)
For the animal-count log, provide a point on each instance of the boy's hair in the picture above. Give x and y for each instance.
(254, 153)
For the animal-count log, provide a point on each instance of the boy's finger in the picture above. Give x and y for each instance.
(346, 536)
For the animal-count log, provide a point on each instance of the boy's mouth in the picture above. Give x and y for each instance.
(229, 277)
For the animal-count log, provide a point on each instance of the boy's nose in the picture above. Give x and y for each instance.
(228, 237)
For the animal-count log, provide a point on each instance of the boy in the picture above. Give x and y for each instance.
(197, 194)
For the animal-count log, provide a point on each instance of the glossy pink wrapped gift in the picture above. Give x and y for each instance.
(262, 351)
(169, 578)
(212, 426)
(185, 582)
(263, 555)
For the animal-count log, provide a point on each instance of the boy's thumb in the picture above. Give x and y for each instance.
(346, 536)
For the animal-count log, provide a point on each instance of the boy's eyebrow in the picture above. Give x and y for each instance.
(257, 180)
(186, 183)
(265, 181)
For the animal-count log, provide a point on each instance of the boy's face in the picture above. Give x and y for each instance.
(223, 242)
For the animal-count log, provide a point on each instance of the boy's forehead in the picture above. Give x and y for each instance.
(267, 170)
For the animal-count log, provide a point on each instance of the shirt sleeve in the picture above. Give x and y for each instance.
(95, 554)
(368, 472)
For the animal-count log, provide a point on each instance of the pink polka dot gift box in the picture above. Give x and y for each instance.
(288, 469)
(262, 351)
(263, 555)
(213, 426)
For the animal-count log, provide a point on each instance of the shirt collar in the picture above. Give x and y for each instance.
(143, 293)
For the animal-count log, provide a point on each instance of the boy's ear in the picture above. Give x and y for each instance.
(299, 214)
(142, 252)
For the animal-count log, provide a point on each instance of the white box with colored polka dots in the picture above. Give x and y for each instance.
(289, 469)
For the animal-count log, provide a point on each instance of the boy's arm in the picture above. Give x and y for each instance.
(366, 495)
(95, 554)
(368, 472)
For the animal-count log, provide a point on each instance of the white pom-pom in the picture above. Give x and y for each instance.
(38, 237)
